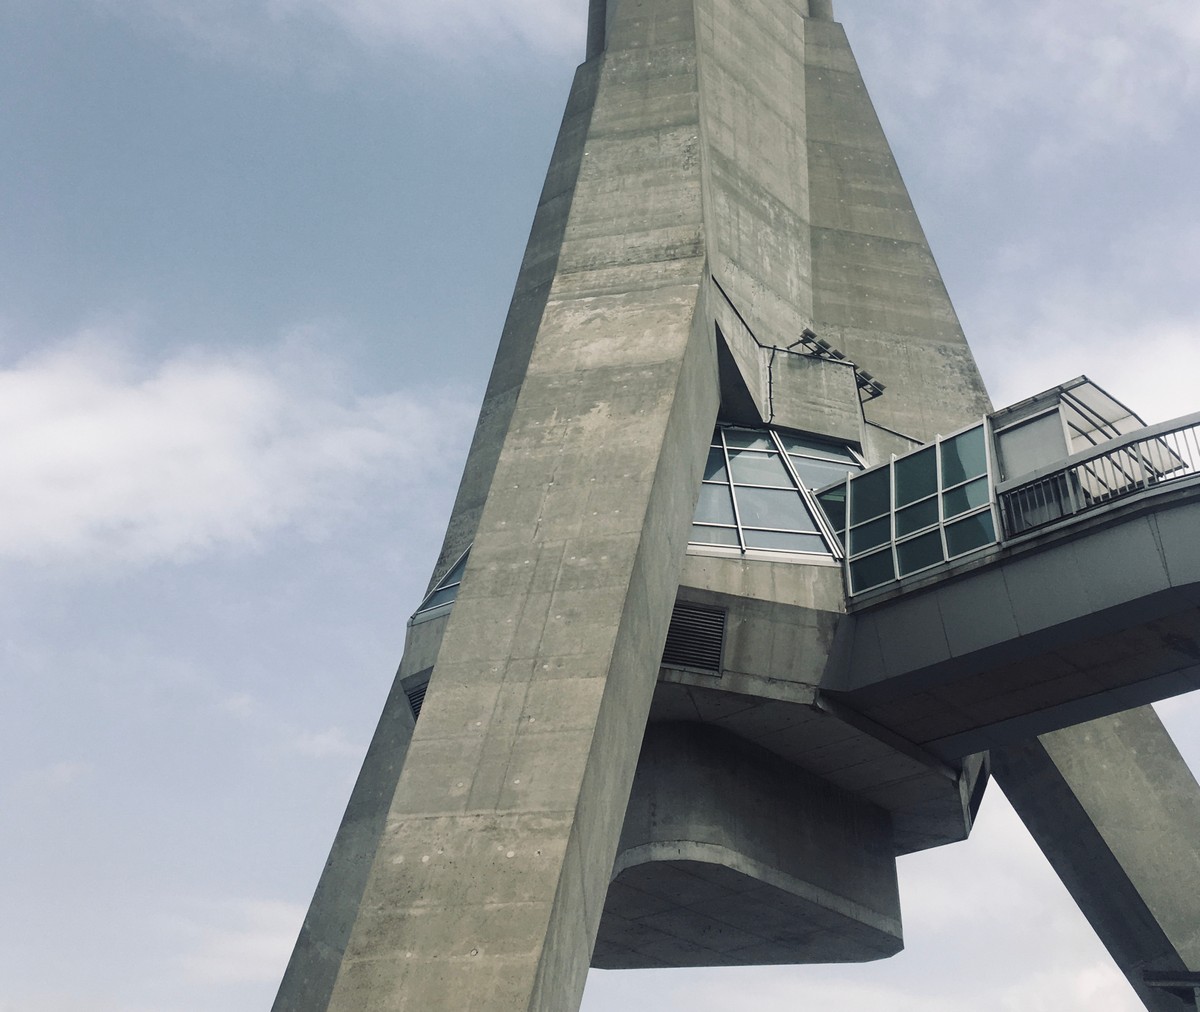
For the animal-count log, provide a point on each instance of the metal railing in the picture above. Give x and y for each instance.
(1149, 458)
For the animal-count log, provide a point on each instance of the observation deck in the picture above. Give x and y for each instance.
(1035, 570)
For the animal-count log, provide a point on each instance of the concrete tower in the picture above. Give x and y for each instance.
(745, 578)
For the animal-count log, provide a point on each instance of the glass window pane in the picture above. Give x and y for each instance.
(784, 541)
(871, 571)
(748, 439)
(750, 468)
(812, 447)
(914, 518)
(714, 505)
(916, 476)
(766, 507)
(833, 502)
(444, 596)
(456, 573)
(714, 469)
(966, 497)
(920, 552)
(971, 533)
(870, 495)
(871, 535)
(819, 473)
(963, 457)
(702, 535)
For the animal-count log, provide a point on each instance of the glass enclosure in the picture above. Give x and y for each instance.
(757, 491)
(916, 512)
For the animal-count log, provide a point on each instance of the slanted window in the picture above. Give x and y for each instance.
(446, 589)
(757, 496)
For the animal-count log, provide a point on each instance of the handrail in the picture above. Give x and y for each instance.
(1148, 458)
(1149, 432)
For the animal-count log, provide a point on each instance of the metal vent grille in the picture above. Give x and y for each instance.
(416, 696)
(695, 638)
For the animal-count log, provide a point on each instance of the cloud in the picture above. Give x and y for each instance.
(330, 743)
(240, 941)
(326, 33)
(1136, 360)
(112, 458)
(53, 778)
(1076, 72)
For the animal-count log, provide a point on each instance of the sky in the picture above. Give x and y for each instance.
(254, 260)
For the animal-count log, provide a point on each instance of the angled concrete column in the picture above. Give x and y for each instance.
(317, 956)
(1117, 813)
(489, 879)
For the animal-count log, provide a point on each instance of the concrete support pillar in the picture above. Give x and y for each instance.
(489, 878)
(1116, 811)
(308, 980)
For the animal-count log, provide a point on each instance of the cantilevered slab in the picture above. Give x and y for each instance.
(731, 857)
(1089, 620)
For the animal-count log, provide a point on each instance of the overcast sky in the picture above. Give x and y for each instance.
(254, 260)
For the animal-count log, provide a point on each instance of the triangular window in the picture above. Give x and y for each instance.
(446, 589)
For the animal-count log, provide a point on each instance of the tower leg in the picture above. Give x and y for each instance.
(1116, 811)
(308, 980)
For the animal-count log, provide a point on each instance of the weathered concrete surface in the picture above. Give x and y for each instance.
(308, 980)
(732, 857)
(313, 967)
(1086, 621)
(534, 280)
(683, 153)
(766, 693)
(877, 293)
(488, 884)
(1116, 811)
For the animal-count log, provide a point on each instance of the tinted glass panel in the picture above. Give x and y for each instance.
(833, 502)
(714, 505)
(748, 439)
(872, 570)
(966, 497)
(782, 541)
(969, 534)
(714, 470)
(817, 448)
(913, 518)
(750, 468)
(764, 507)
(870, 535)
(443, 596)
(920, 552)
(916, 477)
(818, 473)
(963, 457)
(715, 535)
(456, 573)
(869, 495)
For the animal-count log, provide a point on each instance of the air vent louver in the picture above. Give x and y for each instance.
(416, 696)
(695, 638)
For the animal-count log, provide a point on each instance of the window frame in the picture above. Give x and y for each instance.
(736, 536)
